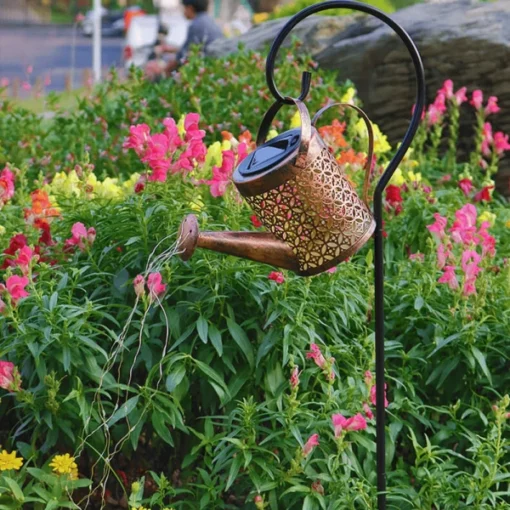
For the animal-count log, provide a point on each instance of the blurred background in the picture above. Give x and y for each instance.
(47, 45)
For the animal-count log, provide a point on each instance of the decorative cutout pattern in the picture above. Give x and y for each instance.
(317, 213)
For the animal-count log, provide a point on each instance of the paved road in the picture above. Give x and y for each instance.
(49, 50)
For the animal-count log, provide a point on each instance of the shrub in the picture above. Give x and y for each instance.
(221, 383)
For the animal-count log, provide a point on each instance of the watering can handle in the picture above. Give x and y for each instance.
(306, 128)
(370, 153)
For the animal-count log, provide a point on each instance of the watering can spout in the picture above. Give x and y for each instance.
(257, 246)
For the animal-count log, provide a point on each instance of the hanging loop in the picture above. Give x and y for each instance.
(306, 78)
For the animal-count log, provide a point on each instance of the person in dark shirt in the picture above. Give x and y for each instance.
(202, 31)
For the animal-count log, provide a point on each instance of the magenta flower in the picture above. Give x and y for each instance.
(449, 277)
(492, 106)
(488, 139)
(369, 378)
(464, 226)
(316, 354)
(25, 257)
(442, 256)
(16, 287)
(6, 185)
(355, 423)
(460, 96)
(477, 99)
(155, 285)
(312, 442)
(9, 376)
(417, 256)
(447, 89)
(373, 392)
(466, 185)
(81, 237)
(138, 139)
(139, 285)
(437, 228)
(488, 242)
(501, 142)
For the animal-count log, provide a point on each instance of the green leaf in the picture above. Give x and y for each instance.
(15, 488)
(53, 301)
(418, 303)
(482, 362)
(309, 503)
(234, 470)
(123, 410)
(242, 341)
(202, 328)
(212, 375)
(175, 377)
(215, 337)
(161, 428)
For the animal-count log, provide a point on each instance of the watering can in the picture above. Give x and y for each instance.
(313, 215)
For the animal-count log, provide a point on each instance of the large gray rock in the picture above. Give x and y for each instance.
(465, 40)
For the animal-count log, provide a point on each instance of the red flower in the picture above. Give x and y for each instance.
(312, 442)
(484, 194)
(277, 277)
(16, 243)
(155, 285)
(255, 221)
(466, 185)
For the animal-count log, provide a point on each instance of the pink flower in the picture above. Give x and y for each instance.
(4, 82)
(318, 487)
(355, 423)
(492, 106)
(139, 285)
(138, 139)
(26, 86)
(312, 442)
(488, 242)
(16, 287)
(316, 354)
(437, 228)
(156, 288)
(332, 270)
(9, 376)
(25, 256)
(470, 259)
(294, 378)
(501, 142)
(277, 277)
(3, 306)
(369, 378)
(442, 256)
(469, 287)
(460, 96)
(488, 140)
(368, 412)
(81, 237)
(373, 395)
(417, 256)
(447, 89)
(449, 277)
(6, 185)
(437, 109)
(477, 99)
(464, 226)
(466, 185)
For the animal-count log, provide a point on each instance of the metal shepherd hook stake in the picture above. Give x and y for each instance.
(381, 185)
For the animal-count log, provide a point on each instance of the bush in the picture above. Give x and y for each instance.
(220, 383)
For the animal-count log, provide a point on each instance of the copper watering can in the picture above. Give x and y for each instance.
(302, 197)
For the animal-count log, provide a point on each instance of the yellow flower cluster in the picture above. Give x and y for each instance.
(490, 217)
(10, 461)
(398, 177)
(69, 184)
(349, 96)
(65, 465)
(381, 144)
(2, 230)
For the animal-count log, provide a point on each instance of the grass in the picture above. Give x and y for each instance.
(39, 105)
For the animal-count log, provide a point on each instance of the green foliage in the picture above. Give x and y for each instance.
(191, 394)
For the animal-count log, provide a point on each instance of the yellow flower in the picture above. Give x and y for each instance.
(260, 17)
(507, 224)
(272, 134)
(487, 216)
(381, 144)
(180, 126)
(2, 230)
(295, 122)
(226, 146)
(64, 464)
(349, 95)
(196, 204)
(9, 461)
(129, 186)
(213, 156)
(397, 178)
(414, 177)
(108, 189)
(65, 184)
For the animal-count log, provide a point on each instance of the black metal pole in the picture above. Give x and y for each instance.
(378, 197)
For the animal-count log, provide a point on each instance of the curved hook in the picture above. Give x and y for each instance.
(306, 79)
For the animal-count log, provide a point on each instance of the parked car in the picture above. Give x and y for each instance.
(145, 31)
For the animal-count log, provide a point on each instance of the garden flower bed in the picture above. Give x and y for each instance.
(132, 379)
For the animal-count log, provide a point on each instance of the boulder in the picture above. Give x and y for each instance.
(465, 40)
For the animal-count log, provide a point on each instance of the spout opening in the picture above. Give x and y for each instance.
(188, 237)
